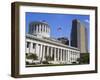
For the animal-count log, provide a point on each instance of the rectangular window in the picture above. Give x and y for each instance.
(28, 44)
(34, 45)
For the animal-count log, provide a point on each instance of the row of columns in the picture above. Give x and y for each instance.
(41, 28)
(57, 54)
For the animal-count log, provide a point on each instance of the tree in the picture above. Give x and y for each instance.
(84, 58)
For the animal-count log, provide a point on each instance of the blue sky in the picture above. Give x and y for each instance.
(64, 21)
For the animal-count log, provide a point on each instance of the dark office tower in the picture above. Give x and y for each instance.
(79, 36)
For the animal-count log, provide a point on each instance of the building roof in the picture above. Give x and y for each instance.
(49, 40)
(39, 22)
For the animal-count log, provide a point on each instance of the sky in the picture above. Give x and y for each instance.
(56, 21)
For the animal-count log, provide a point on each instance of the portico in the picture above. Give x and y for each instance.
(57, 52)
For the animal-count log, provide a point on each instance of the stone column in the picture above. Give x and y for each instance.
(45, 28)
(73, 56)
(64, 56)
(31, 47)
(43, 54)
(78, 54)
(58, 54)
(54, 54)
(47, 50)
(51, 54)
(61, 55)
(40, 28)
(36, 28)
(41, 51)
(68, 56)
(36, 49)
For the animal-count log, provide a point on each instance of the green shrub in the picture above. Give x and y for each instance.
(74, 62)
(31, 56)
(84, 58)
(27, 63)
(45, 62)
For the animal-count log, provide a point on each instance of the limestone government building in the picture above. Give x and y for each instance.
(39, 42)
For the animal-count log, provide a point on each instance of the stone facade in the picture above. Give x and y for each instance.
(39, 42)
(60, 53)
